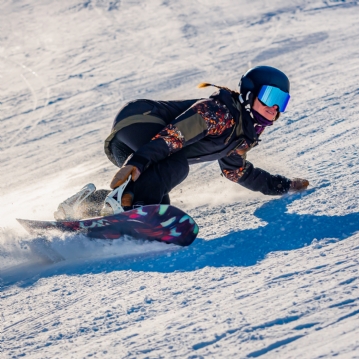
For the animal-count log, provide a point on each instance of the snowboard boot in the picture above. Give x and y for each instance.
(117, 202)
(68, 210)
(91, 207)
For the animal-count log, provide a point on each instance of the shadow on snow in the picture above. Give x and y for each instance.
(284, 231)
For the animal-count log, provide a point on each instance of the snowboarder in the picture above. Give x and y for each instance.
(154, 142)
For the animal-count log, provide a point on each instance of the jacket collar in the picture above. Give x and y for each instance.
(241, 113)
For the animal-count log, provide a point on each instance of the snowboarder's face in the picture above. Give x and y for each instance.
(269, 113)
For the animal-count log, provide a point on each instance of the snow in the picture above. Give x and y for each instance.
(268, 276)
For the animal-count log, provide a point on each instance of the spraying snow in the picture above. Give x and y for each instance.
(268, 276)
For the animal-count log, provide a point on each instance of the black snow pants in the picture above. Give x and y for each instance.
(155, 183)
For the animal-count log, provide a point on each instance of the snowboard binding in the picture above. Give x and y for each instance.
(112, 203)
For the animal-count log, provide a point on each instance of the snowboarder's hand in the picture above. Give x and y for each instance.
(122, 175)
(298, 184)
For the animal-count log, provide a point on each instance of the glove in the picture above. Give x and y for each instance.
(298, 184)
(122, 175)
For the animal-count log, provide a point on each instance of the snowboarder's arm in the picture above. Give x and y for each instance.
(237, 169)
(205, 117)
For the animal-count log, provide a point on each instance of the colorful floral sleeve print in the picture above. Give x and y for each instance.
(216, 115)
(233, 175)
(237, 169)
(172, 136)
(235, 157)
(205, 118)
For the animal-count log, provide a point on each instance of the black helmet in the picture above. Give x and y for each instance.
(258, 76)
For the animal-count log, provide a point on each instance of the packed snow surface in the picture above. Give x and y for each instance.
(271, 277)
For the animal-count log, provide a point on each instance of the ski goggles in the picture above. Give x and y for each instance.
(271, 96)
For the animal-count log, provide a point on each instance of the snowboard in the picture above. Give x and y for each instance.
(163, 223)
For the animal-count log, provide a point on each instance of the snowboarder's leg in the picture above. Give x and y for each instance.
(119, 151)
(166, 199)
(138, 134)
(131, 138)
(134, 126)
(153, 186)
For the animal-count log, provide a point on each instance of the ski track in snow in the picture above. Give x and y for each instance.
(268, 277)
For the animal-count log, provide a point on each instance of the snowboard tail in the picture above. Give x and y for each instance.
(163, 223)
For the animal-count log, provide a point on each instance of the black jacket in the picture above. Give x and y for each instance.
(217, 128)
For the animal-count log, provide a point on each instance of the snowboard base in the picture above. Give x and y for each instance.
(163, 223)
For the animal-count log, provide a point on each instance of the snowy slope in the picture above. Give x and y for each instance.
(268, 277)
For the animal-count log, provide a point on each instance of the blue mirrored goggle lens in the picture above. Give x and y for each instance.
(271, 96)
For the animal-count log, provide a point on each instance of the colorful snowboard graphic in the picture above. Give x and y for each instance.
(161, 223)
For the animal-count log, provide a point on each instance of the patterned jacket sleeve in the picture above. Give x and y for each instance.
(205, 117)
(237, 169)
